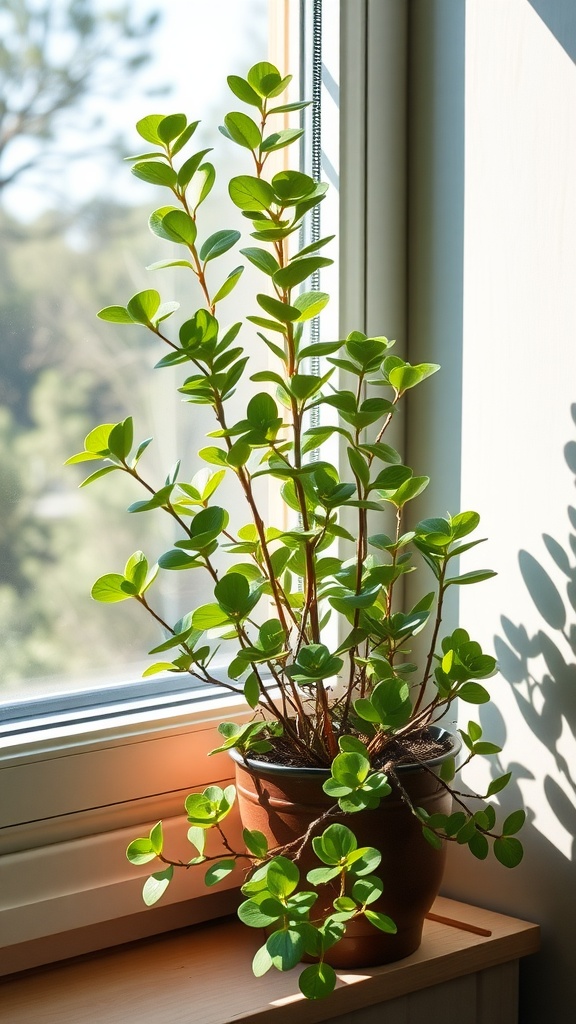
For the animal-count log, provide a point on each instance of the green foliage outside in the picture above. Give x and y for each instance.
(59, 62)
(56, 375)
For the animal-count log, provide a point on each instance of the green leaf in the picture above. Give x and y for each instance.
(233, 594)
(159, 666)
(175, 560)
(120, 438)
(185, 137)
(209, 616)
(337, 841)
(156, 885)
(367, 889)
(189, 168)
(217, 244)
(409, 490)
(285, 947)
(366, 710)
(280, 310)
(508, 851)
(140, 851)
(497, 785)
(476, 576)
(115, 315)
(282, 877)
(381, 921)
(295, 273)
(238, 454)
(164, 264)
(289, 107)
(147, 127)
(109, 589)
(431, 838)
(474, 693)
(156, 173)
(319, 876)
(136, 570)
(310, 304)
(351, 744)
(514, 822)
(143, 306)
(173, 225)
(250, 193)
(169, 128)
(404, 377)
(291, 187)
(243, 130)
(266, 80)
(391, 698)
(261, 963)
(215, 456)
(464, 523)
(486, 749)
(256, 842)
(207, 177)
(197, 837)
(252, 690)
(277, 140)
(350, 769)
(256, 914)
(156, 838)
(243, 91)
(317, 981)
(99, 472)
(262, 259)
(478, 846)
(359, 466)
(218, 871)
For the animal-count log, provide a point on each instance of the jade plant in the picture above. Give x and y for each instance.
(343, 705)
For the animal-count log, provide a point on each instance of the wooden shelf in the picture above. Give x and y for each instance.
(203, 974)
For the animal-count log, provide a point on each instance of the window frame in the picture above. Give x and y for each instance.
(75, 788)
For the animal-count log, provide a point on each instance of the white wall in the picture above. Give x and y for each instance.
(493, 158)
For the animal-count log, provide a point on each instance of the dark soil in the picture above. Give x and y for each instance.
(411, 749)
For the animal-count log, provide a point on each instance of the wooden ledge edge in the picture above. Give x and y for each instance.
(157, 976)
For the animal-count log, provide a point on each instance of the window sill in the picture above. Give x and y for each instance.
(73, 794)
(465, 972)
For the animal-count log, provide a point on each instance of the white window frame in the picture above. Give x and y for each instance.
(75, 789)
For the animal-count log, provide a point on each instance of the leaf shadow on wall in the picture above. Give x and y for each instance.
(540, 668)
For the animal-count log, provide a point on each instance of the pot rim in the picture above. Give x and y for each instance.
(295, 772)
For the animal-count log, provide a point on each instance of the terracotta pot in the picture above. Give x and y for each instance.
(282, 802)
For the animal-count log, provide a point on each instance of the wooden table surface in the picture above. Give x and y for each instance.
(203, 975)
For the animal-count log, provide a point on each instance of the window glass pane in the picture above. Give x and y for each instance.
(74, 77)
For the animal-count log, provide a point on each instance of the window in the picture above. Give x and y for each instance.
(75, 238)
(76, 788)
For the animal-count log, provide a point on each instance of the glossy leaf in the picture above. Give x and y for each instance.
(156, 172)
(218, 871)
(243, 90)
(109, 588)
(250, 193)
(243, 130)
(156, 885)
(217, 244)
(173, 225)
(508, 851)
(317, 981)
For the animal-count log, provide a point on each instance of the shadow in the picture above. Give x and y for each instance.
(560, 18)
(539, 667)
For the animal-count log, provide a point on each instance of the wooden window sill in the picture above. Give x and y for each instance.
(203, 974)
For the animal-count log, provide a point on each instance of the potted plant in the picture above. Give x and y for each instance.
(344, 769)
